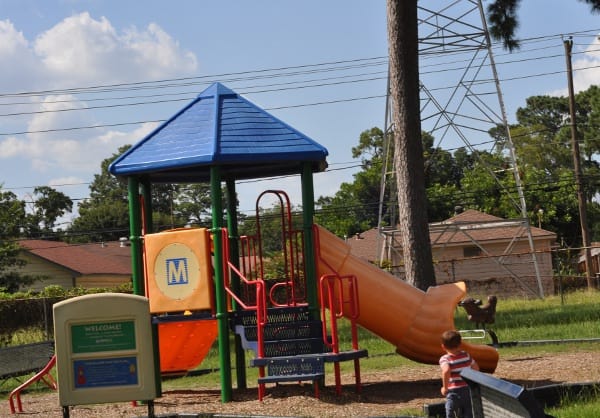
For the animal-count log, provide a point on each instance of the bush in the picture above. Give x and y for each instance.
(33, 310)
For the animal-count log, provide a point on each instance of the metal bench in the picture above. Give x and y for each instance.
(493, 397)
(21, 360)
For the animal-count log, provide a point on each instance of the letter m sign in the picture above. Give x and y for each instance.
(177, 271)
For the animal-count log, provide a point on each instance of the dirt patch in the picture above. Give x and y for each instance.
(384, 393)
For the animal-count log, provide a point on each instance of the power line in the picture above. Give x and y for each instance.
(370, 61)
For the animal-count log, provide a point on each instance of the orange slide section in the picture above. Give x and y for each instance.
(183, 345)
(401, 314)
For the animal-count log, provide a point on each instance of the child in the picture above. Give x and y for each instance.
(454, 388)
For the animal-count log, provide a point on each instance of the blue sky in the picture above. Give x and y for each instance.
(265, 50)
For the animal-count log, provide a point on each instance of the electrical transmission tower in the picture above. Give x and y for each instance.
(461, 100)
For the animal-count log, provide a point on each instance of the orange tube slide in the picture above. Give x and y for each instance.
(401, 314)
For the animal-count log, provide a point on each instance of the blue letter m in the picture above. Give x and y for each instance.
(177, 271)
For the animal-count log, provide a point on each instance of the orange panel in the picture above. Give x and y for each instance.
(178, 270)
(183, 345)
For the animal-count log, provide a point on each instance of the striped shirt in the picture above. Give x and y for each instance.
(457, 362)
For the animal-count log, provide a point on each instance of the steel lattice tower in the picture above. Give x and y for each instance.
(461, 100)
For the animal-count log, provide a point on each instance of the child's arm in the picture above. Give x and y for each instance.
(445, 378)
(474, 365)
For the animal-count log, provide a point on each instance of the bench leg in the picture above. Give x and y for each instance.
(43, 375)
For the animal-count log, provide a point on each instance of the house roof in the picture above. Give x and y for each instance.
(85, 259)
(220, 128)
(466, 227)
(472, 225)
(366, 244)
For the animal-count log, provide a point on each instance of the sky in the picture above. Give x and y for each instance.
(81, 78)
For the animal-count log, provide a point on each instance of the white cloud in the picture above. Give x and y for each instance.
(586, 69)
(79, 51)
(118, 138)
(77, 151)
(11, 147)
(82, 50)
(18, 60)
(12, 41)
(58, 111)
(157, 52)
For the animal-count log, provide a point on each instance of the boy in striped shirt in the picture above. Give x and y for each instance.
(454, 388)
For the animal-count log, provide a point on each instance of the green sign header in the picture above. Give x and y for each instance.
(106, 336)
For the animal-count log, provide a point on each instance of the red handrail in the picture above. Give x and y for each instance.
(260, 305)
(292, 243)
(334, 298)
(43, 375)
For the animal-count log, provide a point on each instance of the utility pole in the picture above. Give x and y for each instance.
(585, 235)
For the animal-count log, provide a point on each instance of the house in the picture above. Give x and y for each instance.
(95, 265)
(595, 268)
(490, 254)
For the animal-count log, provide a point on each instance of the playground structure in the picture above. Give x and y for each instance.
(207, 284)
(296, 348)
(291, 322)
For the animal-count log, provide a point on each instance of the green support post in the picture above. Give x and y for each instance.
(234, 252)
(308, 209)
(137, 260)
(147, 209)
(223, 326)
(135, 232)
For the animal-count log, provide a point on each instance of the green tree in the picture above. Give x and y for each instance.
(442, 178)
(355, 207)
(194, 203)
(48, 205)
(502, 15)
(490, 193)
(103, 221)
(542, 141)
(104, 215)
(12, 221)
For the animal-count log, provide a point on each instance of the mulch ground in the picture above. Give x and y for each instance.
(389, 393)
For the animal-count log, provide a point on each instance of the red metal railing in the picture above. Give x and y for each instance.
(292, 248)
(43, 375)
(260, 302)
(339, 296)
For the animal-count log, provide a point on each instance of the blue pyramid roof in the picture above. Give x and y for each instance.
(220, 128)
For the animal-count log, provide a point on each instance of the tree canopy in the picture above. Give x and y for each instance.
(13, 221)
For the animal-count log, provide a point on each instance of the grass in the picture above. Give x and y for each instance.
(584, 408)
(574, 316)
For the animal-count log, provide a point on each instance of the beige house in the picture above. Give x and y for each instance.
(97, 265)
(492, 255)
